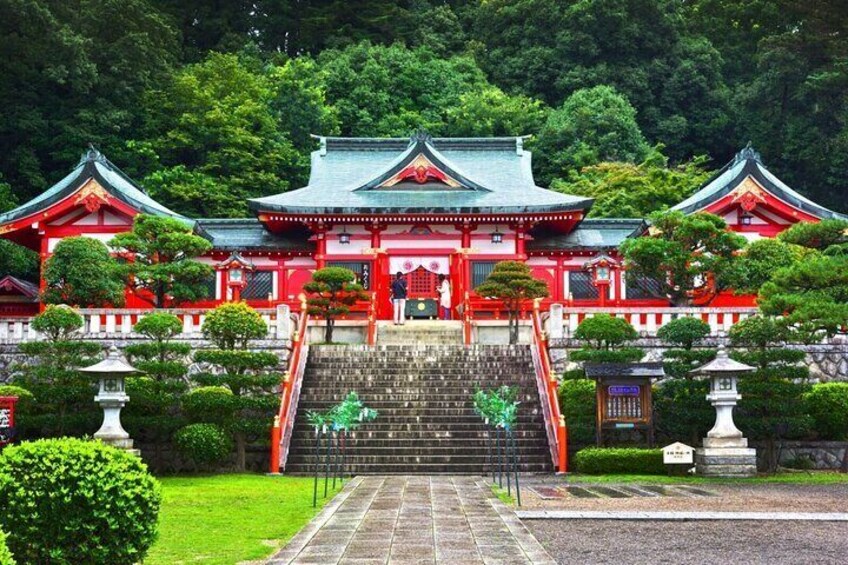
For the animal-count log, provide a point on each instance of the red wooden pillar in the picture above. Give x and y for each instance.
(520, 238)
(320, 246)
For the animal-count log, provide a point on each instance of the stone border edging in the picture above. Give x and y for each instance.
(680, 516)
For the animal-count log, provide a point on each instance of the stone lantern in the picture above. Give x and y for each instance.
(725, 452)
(111, 397)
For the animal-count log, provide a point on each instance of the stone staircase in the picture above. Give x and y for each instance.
(420, 332)
(423, 392)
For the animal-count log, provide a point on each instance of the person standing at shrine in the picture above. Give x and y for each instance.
(444, 298)
(399, 293)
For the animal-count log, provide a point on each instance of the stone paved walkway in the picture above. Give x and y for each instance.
(414, 519)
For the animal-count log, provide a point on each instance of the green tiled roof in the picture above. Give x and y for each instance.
(93, 164)
(495, 175)
(249, 235)
(749, 163)
(593, 233)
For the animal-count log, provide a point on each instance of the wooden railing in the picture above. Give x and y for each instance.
(372, 320)
(281, 431)
(549, 394)
(467, 320)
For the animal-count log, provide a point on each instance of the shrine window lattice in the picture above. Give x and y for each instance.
(580, 285)
(480, 271)
(642, 288)
(259, 285)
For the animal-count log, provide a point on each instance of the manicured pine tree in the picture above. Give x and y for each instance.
(513, 283)
(330, 294)
(249, 376)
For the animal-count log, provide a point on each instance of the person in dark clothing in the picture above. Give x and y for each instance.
(399, 293)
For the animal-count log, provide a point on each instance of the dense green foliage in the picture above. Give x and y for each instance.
(620, 460)
(827, 404)
(577, 405)
(634, 190)
(513, 283)
(160, 268)
(81, 272)
(681, 411)
(209, 103)
(330, 294)
(53, 489)
(684, 332)
(63, 396)
(6, 557)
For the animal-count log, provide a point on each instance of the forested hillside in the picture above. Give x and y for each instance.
(208, 103)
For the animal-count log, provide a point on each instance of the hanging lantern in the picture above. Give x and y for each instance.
(497, 236)
(344, 237)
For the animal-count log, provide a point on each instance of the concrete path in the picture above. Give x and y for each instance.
(414, 519)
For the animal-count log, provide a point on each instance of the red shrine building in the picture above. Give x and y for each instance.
(421, 206)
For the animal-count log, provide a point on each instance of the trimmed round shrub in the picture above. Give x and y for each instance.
(25, 397)
(58, 322)
(233, 325)
(209, 404)
(159, 326)
(619, 460)
(204, 444)
(5, 554)
(69, 501)
(827, 404)
(577, 404)
(620, 355)
(684, 332)
(603, 331)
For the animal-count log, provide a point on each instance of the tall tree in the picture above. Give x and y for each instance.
(160, 253)
(513, 283)
(72, 74)
(82, 272)
(213, 139)
(685, 254)
(593, 125)
(642, 48)
(628, 190)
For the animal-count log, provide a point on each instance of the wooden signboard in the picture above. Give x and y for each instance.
(7, 419)
(623, 397)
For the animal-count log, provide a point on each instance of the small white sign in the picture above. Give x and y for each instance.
(678, 454)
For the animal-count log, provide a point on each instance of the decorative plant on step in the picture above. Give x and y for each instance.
(499, 409)
(335, 424)
(331, 293)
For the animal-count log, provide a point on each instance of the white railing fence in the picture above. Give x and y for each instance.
(115, 323)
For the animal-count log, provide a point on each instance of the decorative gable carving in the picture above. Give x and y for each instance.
(421, 171)
(749, 194)
(92, 196)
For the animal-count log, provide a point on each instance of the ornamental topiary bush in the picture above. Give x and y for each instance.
(827, 404)
(233, 325)
(681, 412)
(204, 444)
(604, 337)
(70, 501)
(5, 554)
(619, 460)
(58, 323)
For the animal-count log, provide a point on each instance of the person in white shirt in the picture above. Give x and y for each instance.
(444, 298)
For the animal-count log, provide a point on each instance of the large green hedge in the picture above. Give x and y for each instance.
(69, 501)
(827, 404)
(619, 460)
(577, 405)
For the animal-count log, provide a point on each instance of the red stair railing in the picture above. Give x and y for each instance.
(289, 395)
(547, 385)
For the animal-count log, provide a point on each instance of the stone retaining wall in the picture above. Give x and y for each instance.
(823, 455)
(827, 362)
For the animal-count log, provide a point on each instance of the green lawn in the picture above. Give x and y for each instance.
(226, 519)
(802, 478)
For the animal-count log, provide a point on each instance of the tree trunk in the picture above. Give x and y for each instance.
(241, 457)
(513, 328)
(328, 331)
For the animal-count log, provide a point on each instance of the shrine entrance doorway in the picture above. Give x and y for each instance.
(422, 279)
